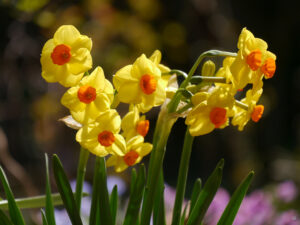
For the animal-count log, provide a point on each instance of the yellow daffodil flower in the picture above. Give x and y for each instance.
(211, 110)
(66, 57)
(254, 112)
(133, 125)
(92, 96)
(134, 152)
(102, 136)
(253, 60)
(142, 83)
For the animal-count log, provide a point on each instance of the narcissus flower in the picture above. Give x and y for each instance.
(253, 60)
(133, 124)
(66, 57)
(254, 112)
(142, 82)
(135, 150)
(92, 96)
(102, 137)
(210, 111)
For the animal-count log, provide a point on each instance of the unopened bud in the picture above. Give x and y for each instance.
(208, 68)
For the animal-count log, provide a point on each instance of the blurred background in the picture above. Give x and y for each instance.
(121, 31)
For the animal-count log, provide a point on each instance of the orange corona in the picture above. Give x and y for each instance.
(106, 138)
(61, 54)
(269, 67)
(218, 116)
(258, 110)
(86, 94)
(148, 84)
(142, 127)
(131, 157)
(254, 59)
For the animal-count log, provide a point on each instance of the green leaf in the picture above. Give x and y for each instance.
(65, 191)
(114, 203)
(159, 216)
(44, 217)
(133, 179)
(135, 199)
(233, 206)
(35, 202)
(14, 211)
(206, 195)
(100, 197)
(4, 219)
(195, 193)
(49, 204)
(183, 216)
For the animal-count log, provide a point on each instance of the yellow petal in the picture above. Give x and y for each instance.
(81, 61)
(66, 34)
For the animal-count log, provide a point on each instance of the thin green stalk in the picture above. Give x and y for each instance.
(163, 127)
(211, 53)
(83, 158)
(183, 172)
(241, 105)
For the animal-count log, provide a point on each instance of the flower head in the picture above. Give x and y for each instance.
(66, 56)
(92, 96)
(102, 136)
(142, 82)
(211, 110)
(135, 150)
(133, 124)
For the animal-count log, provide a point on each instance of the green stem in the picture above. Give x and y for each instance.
(199, 79)
(211, 53)
(241, 105)
(162, 130)
(83, 158)
(183, 172)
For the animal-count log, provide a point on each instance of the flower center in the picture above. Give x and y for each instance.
(61, 54)
(254, 59)
(130, 157)
(257, 113)
(106, 138)
(142, 127)
(148, 84)
(218, 116)
(269, 68)
(86, 94)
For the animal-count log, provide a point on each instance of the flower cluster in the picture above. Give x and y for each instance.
(207, 103)
(214, 105)
(92, 99)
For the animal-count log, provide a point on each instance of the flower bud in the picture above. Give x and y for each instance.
(208, 69)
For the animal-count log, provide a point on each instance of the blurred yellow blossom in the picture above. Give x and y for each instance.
(92, 96)
(102, 137)
(210, 111)
(66, 57)
(142, 83)
(134, 152)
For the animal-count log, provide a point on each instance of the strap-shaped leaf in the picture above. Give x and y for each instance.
(195, 193)
(65, 191)
(4, 219)
(114, 203)
(159, 215)
(132, 213)
(183, 216)
(133, 179)
(14, 211)
(44, 219)
(206, 195)
(233, 206)
(49, 204)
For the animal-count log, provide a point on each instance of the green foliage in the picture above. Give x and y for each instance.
(113, 201)
(14, 211)
(65, 191)
(49, 216)
(4, 219)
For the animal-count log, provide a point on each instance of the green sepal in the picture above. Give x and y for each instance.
(206, 195)
(65, 191)
(233, 206)
(14, 211)
(4, 219)
(114, 203)
(49, 210)
(132, 213)
(195, 193)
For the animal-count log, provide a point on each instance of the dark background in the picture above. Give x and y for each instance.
(121, 31)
